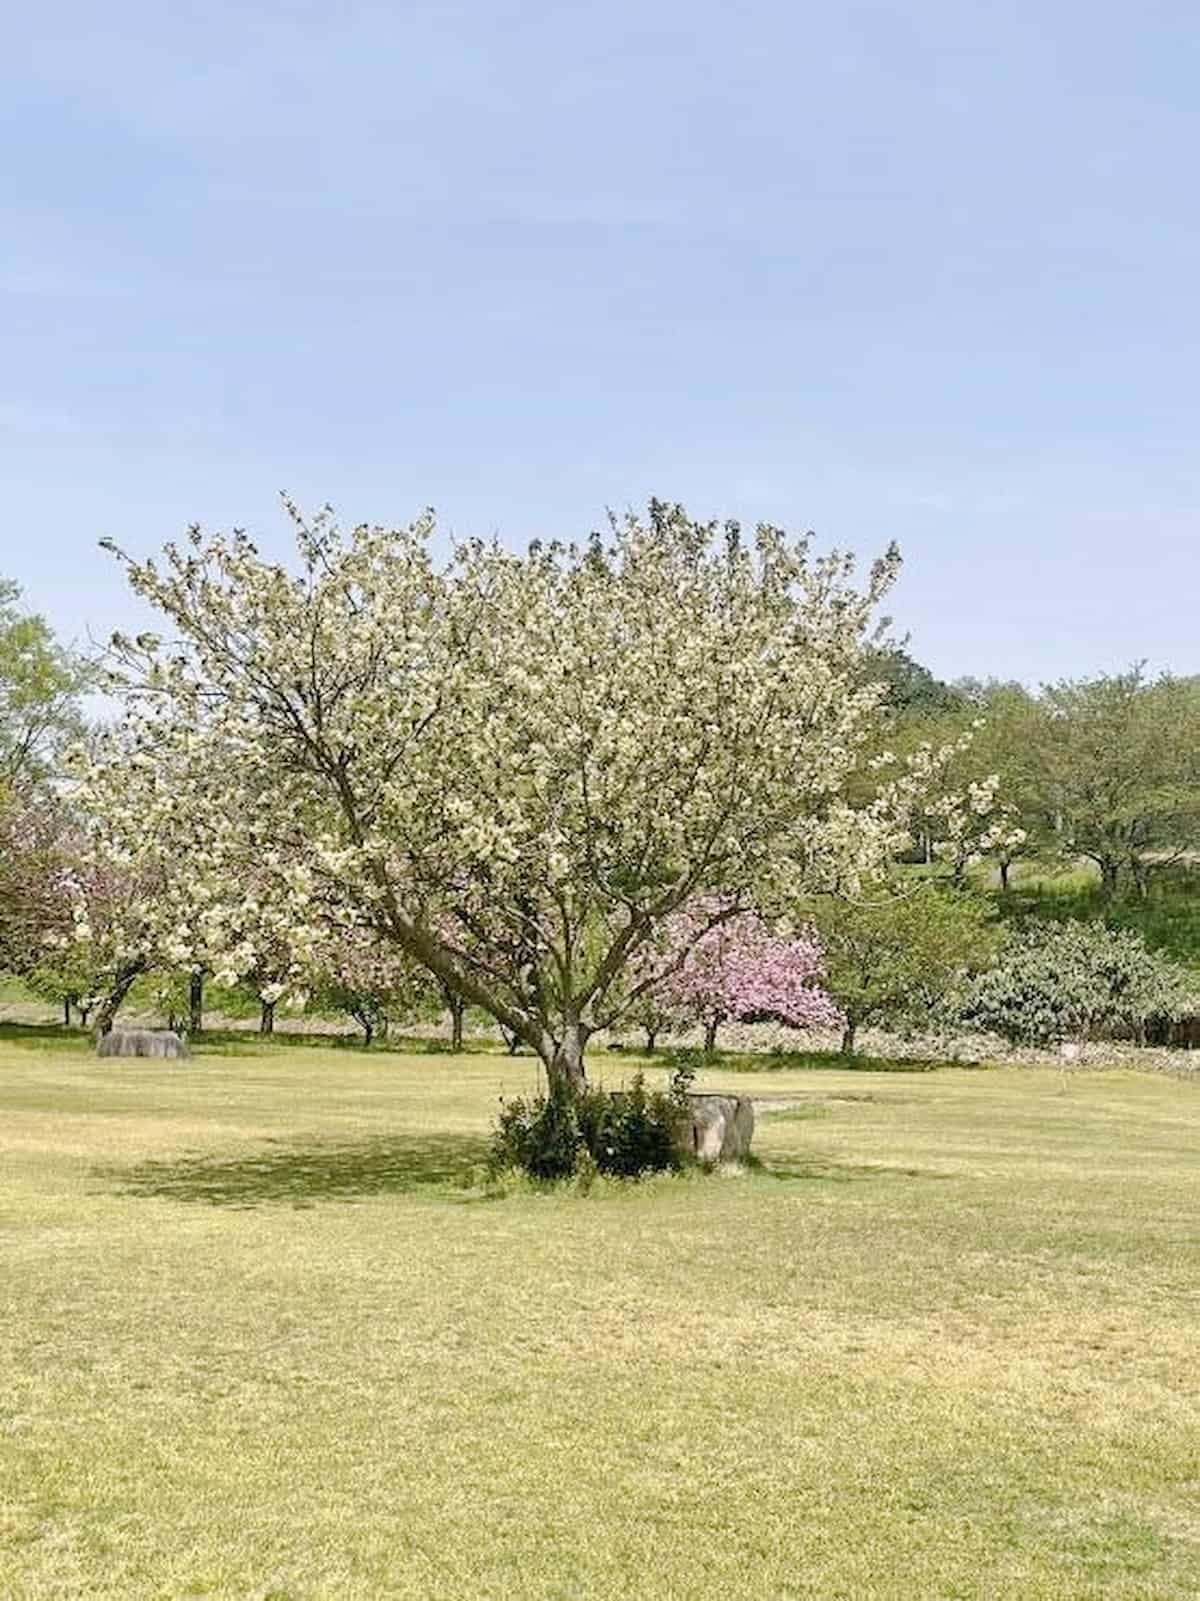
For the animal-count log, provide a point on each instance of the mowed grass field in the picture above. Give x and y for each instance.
(262, 1336)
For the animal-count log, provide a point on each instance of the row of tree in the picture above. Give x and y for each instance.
(1105, 770)
(584, 787)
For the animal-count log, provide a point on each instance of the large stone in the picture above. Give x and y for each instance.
(719, 1130)
(162, 1043)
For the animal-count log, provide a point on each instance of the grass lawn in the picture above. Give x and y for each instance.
(257, 1340)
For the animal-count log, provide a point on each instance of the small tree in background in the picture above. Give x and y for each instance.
(900, 951)
(654, 1015)
(78, 926)
(1074, 981)
(456, 1005)
(35, 862)
(715, 971)
(371, 981)
(973, 817)
(40, 686)
(1119, 772)
(966, 827)
(1008, 740)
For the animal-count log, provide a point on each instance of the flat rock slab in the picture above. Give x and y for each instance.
(720, 1128)
(160, 1043)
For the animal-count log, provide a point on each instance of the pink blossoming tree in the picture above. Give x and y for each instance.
(711, 972)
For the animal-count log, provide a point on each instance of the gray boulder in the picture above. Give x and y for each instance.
(719, 1130)
(162, 1043)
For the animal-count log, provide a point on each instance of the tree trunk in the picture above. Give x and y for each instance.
(651, 1036)
(196, 1004)
(368, 1027)
(710, 1035)
(512, 1042)
(111, 1003)
(457, 1007)
(1004, 871)
(564, 1057)
(848, 1033)
(1141, 878)
(266, 1021)
(66, 1011)
(1109, 872)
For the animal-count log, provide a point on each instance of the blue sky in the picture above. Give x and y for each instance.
(925, 271)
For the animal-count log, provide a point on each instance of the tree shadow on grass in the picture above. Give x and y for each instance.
(290, 1173)
(47, 1036)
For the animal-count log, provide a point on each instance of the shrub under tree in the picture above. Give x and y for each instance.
(623, 1133)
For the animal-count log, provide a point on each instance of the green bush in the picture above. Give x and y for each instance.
(540, 1135)
(569, 1132)
(1076, 981)
(630, 1132)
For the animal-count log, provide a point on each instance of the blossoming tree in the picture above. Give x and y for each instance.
(35, 860)
(717, 971)
(514, 769)
(106, 938)
(372, 980)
